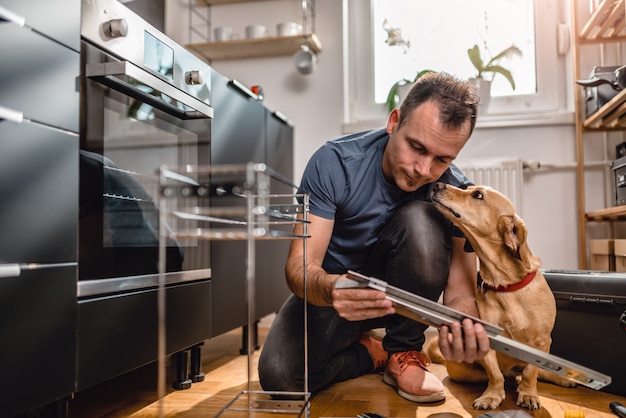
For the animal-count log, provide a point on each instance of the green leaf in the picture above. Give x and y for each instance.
(493, 66)
(477, 61)
(496, 69)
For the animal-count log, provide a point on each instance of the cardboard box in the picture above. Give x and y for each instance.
(601, 256)
(619, 249)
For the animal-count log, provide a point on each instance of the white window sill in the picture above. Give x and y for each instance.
(523, 120)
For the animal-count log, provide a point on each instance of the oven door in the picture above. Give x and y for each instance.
(132, 122)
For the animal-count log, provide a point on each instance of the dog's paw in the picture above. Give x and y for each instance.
(528, 401)
(556, 379)
(489, 400)
(564, 382)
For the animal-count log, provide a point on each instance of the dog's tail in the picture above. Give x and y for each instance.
(431, 348)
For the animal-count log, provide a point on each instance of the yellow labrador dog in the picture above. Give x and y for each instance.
(511, 292)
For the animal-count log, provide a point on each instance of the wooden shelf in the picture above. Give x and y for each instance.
(607, 23)
(256, 48)
(610, 116)
(617, 213)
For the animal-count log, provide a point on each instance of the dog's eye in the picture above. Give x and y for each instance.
(477, 194)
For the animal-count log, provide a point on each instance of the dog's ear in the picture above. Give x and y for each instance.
(513, 233)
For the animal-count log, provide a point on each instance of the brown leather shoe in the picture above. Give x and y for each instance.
(406, 371)
(375, 348)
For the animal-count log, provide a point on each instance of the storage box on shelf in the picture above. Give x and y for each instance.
(619, 249)
(602, 255)
(606, 24)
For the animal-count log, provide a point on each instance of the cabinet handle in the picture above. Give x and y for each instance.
(243, 89)
(15, 269)
(108, 73)
(9, 16)
(278, 115)
(11, 115)
(10, 270)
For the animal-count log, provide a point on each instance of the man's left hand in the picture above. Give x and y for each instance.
(464, 342)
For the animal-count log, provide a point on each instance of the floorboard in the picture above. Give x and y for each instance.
(134, 394)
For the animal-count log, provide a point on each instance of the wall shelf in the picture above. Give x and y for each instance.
(610, 116)
(256, 48)
(617, 213)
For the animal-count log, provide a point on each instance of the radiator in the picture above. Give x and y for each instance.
(506, 176)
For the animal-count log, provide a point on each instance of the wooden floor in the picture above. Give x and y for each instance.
(135, 394)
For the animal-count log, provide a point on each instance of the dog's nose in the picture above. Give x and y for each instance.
(439, 186)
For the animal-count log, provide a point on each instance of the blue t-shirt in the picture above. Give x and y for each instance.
(345, 181)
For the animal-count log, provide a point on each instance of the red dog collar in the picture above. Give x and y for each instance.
(510, 288)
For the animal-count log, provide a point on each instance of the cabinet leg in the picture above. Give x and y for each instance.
(255, 337)
(196, 374)
(181, 382)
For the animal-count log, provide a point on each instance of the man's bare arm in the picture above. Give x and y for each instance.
(466, 342)
(351, 304)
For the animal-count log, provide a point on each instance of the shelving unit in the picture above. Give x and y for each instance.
(606, 24)
(251, 48)
(187, 212)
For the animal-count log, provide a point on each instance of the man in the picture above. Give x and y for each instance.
(370, 211)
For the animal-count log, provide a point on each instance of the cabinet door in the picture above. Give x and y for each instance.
(37, 325)
(272, 290)
(237, 137)
(119, 333)
(39, 189)
(58, 19)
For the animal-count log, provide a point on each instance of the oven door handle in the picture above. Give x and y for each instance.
(109, 73)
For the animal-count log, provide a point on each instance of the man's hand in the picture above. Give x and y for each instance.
(359, 304)
(466, 342)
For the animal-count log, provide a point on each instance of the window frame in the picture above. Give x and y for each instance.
(554, 76)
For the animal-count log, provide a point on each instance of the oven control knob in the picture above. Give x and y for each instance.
(194, 77)
(116, 28)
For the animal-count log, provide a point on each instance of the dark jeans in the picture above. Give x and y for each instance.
(413, 253)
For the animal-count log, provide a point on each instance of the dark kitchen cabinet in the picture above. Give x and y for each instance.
(39, 209)
(271, 289)
(242, 131)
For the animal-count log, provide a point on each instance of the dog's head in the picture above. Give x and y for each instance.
(488, 220)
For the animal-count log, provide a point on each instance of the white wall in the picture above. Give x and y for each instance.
(314, 104)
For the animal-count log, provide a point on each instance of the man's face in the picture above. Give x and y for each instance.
(422, 149)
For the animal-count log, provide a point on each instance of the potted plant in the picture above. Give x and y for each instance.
(490, 67)
(400, 89)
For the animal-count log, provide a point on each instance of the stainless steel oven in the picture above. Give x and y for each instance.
(145, 101)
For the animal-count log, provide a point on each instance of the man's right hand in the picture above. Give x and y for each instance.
(359, 304)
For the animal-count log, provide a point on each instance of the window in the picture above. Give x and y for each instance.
(440, 33)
